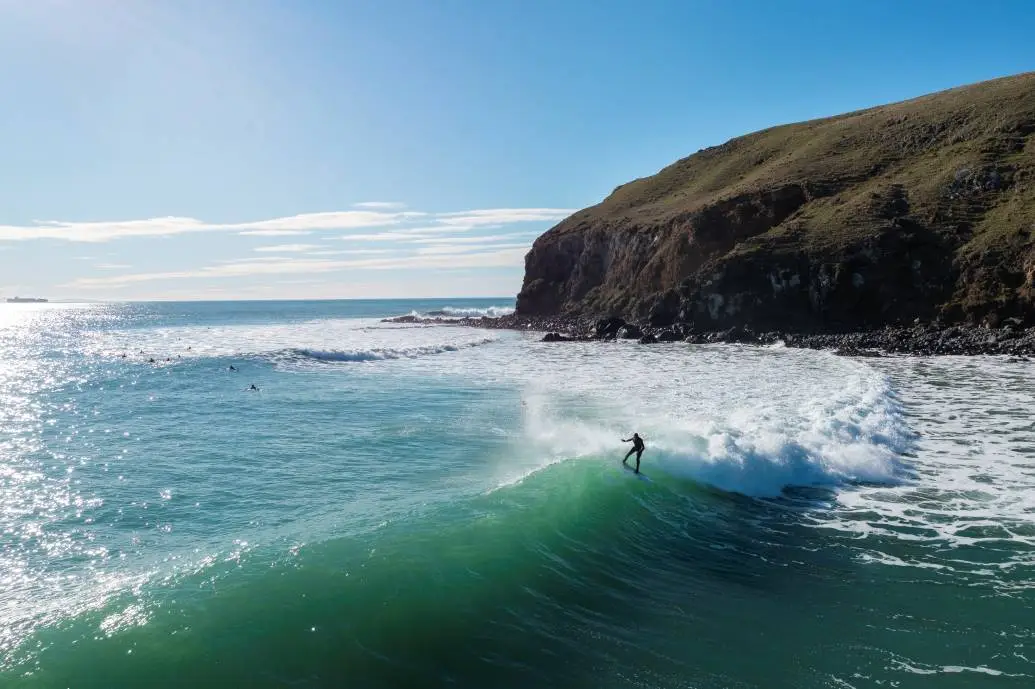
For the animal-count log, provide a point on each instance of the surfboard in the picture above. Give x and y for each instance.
(642, 476)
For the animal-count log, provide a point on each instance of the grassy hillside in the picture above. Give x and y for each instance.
(922, 208)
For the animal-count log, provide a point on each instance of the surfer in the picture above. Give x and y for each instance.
(637, 447)
(253, 387)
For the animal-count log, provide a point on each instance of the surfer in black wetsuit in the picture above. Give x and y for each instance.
(637, 447)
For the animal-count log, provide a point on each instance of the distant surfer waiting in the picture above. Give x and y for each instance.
(637, 447)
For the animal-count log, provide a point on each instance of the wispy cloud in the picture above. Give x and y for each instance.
(476, 239)
(352, 252)
(398, 235)
(163, 227)
(502, 216)
(450, 250)
(380, 205)
(289, 248)
(284, 226)
(500, 258)
(112, 266)
(274, 233)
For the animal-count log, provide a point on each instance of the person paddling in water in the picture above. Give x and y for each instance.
(637, 447)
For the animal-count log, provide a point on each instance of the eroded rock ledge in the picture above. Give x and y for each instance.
(920, 340)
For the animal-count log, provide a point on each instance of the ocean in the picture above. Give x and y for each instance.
(416, 505)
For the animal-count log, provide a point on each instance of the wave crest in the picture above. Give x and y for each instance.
(857, 437)
(462, 312)
(380, 353)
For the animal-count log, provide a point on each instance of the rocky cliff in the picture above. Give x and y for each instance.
(923, 209)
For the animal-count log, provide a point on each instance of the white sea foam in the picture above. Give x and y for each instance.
(329, 340)
(382, 353)
(490, 312)
(754, 421)
(974, 479)
(456, 313)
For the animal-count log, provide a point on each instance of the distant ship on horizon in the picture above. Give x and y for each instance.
(26, 300)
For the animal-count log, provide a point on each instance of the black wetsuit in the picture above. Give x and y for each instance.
(637, 448)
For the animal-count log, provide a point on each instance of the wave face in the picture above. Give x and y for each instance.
(426, 506)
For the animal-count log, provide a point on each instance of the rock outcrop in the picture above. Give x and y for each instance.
(923, 209)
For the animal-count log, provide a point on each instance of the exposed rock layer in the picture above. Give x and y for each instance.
(923, 209)
(918, 339)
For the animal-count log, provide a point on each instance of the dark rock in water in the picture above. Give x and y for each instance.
(852, 351)
(737, 334)
(630, 331)
(914, 339)
(608, 328)
(402, 319)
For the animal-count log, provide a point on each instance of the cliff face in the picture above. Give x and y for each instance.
(921, 209)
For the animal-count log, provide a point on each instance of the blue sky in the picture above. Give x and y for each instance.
(273, 148)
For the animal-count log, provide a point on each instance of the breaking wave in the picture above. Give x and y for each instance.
(454, 312)
(382, 353)
(757, 445)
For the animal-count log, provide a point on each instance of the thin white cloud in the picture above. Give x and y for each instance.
(252, 259)
(337, 220)
(289, 248)
(504, 258)
(407, 234)
(503, 216)
(380, 205)
(352, 252)
(274, 233)
(283, 226)
(112, 266)
(163, 227)
(475, 239)
(448, 249)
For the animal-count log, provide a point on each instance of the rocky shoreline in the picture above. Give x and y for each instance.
(916, 340)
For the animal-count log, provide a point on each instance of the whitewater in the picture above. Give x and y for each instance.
(419, 504)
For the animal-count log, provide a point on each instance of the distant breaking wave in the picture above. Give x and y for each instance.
(453, 312)
(380, 353)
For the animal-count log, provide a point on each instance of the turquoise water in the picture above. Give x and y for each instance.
(425, 506)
